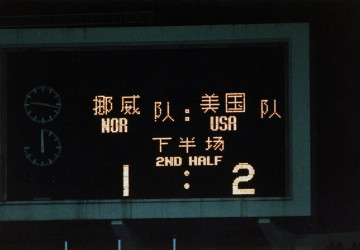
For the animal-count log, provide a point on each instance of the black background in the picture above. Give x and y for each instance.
(90, 165)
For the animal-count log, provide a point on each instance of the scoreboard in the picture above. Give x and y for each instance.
(148, 123)
(165, 121)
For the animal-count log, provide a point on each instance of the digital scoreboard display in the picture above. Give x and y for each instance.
(148, 122)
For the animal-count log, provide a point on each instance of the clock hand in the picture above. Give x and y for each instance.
(42, 142)
(44, 104)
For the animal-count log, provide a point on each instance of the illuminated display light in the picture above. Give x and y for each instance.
(168, 113)
(242, 191)
(235, 102)
(103, 105)
(264, 109)
(161, 142)
(217, 143)
(274, 113)
(158, 112)
(187, 118)
(210, 103)
(126, 185)
(114, 125)
(129, 105)
(223, 123)
(204, 160)
(186, 143)
(168, 161)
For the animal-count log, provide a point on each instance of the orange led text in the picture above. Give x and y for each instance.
(168, 161)
(204, 160)
(114, 125)
(223, 123)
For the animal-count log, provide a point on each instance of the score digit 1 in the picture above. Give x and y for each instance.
(126, 185)
(235, 186)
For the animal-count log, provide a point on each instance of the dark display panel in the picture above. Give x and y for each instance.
(148, 122)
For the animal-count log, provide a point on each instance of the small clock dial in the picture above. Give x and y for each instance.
(42, 104)
(44, 150)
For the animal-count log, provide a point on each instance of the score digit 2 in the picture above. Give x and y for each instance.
(235, 186)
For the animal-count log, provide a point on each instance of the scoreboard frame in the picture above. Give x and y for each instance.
(298, 203)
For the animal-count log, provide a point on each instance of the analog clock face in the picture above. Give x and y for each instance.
(42, 104)
(44, 150)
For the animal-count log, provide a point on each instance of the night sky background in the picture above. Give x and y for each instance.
(335, 86)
